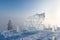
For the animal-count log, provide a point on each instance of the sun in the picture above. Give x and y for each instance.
(54, 15)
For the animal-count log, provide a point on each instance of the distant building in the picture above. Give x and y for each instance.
(58, 29)
(18, 29)
(48, 29)
(10, 27)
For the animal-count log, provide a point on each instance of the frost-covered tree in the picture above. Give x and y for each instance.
(35, 21)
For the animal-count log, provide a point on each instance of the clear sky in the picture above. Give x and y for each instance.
(17, 10)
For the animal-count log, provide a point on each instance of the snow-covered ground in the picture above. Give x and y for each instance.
(33, 35)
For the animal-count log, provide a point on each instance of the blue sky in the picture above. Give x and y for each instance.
(17, 10)
(16, 7)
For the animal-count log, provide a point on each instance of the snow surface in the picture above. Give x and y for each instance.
(25, 35)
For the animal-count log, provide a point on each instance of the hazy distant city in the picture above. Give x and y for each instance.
(34, 29)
